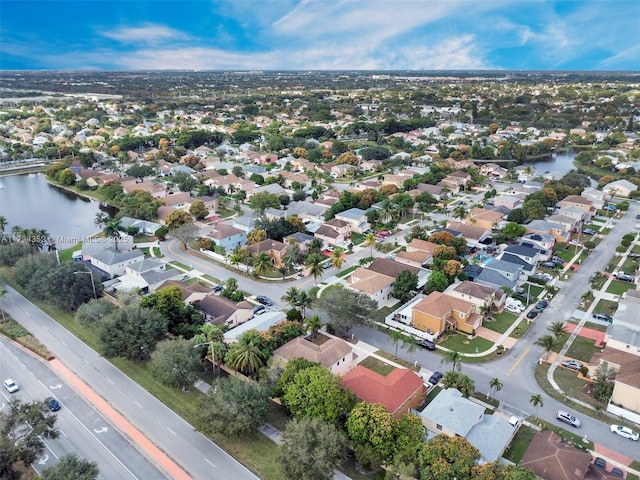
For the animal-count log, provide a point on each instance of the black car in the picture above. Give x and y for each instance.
(549, 264)
(602, 316)
(435, 378)
(53, 404)
(264, 300)
(259, 310)
(588, 231)
(429, 345)
(217, 288)
(542, 304)
(557, 260)
(532, 314)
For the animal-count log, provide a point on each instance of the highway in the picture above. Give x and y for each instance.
(82, 429)
(188, 454)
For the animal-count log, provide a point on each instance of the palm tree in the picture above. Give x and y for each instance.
(396, 336)
(410, 344)
(336, 258)
(536, 401)
(313, 324)
(314, 264)
(459, 212)
(111, 229)
(303, 301)
(245, 357)
(556, 328)
(547, 342)
(453, 357)
(486, 310)
(496, 385)
(370, 241)
(3, 223)
(466, 385)
(262, 263)
(236, 257)
(291, 296)
(386, 211)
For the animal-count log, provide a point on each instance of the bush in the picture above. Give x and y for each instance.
(621, 249)
(294, 315)
(625, 242)
(629, 236)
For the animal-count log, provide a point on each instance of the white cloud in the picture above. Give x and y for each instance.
(147, 33)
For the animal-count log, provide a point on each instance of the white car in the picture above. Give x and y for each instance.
(625, 432)
(513, 309)
(11, 385)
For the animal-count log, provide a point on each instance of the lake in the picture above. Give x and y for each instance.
(29, 201)
(558, 162)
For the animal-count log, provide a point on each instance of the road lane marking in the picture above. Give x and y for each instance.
(110, 381)
(515, 365)
(209, 463)
(171, 431)
(137, 404)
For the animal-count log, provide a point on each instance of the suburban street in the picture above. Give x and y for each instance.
(82, 429)
(190, 450)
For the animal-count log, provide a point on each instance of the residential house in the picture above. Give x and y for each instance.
(539, 241)
(528, 254)
(335, 354)
(344, 170)
(451, 414)
(261, 323)
(398, 392)
(436, 191)
(577, 201)
(371, 165)
(570, 224)
(560, 232)
(477, 294)
(218, 310)
(227, 236)
(620, 188)
(487, 219)
(552, 459)
(455, 181)
(114, 262)
(334, 232)
(508, 201)
(499, 274)
(576, 213)
(157, 190)
(306, 210)
(438, 312)
(474, 235)
(418, 253)
(275, 249)
(390, 268)
(179, 201)
(376, 286)
(493, 170)
(191, 292)
(146, 276)
(357, 218)
(143, 226)
(598, 198)
(397, 180)
(302, 239)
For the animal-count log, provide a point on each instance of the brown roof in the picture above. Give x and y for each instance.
(629, 373)
(186, 289)
(440, 305)
(267, 244)
(368, 281)
(423, 245)
(221, 308)
(327, 231)
(467, 231)
(336, 222)
(576, 199)
(552, 459)
(391, 391)
(223, 230)
(431, 189)
(482, 214)
(474, 289)
(390, 268)
(419, 256)
(177, 199)
(330, 352)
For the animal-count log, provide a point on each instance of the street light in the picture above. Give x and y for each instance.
(93, 284)
(213, 355)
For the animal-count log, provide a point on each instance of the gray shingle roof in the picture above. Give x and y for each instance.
(453, 412)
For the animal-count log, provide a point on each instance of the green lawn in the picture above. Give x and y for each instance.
(606, 306)
(582, 349)
(347, 271)
(181, 266)
(357, 238)
(560, 341)
(67, 255)
(515, 451)
(595, 326)
(564, 254)
(461, 343)
(501, 322)
(567, 436)
(391, 357)
(618, 288)
(572, 385)
(521, 329)
(635, 249)
(383, 368)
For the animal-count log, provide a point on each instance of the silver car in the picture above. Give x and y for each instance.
(566, 417)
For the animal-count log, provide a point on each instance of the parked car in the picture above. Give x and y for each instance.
(259, 310)
(217, 288)
(53, 404)
(512, 309)
(533, 313)
(264, 300)
(600, 462)
(557, 260)
(625, 432)
(572, 364)
(429, 345)
(602, 316)
(11, 385)
(611, 208)
(566, 417)
(623, 277)
(588, 231)
(575, 242)
(435, 378)
(541, 305)
(551, 265)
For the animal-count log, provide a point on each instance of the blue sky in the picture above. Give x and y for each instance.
(320, 34)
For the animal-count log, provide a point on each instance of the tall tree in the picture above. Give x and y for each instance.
(410, 344)
(336, 258)
(454, 358)
(245, 357)
(406, 283)
(396, 336)
(23, 429)
(262, 263)
(175, 363)
(537, 401)
(556, 328)
(445, 457)
(71, 466)
(347, 308)
(186, 233)
(496, 385)
(313, 324)
(311, 449)
(314, 264)
(233, 407)
(372, 430)
(370, 241)
(547, 342)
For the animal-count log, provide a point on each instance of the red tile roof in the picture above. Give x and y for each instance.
(392, 391)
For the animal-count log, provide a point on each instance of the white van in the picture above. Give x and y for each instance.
(514, 304)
